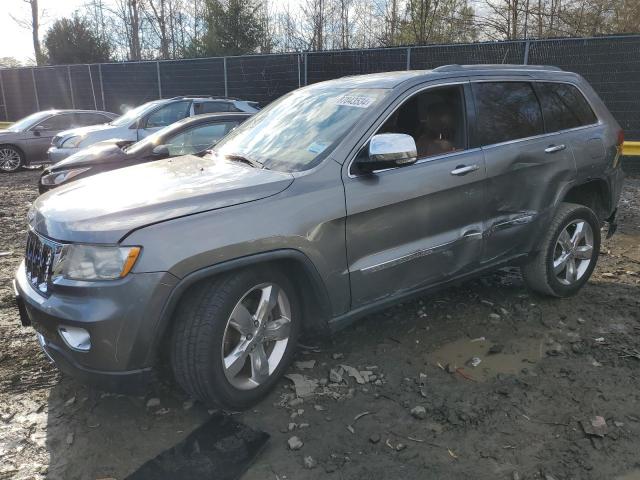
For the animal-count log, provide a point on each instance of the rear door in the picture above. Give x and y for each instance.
(163, 116)
(420, 224)
(525, 166)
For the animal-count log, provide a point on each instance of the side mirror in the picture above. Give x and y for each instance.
(161, 151)
(38, 129)
(388, 150)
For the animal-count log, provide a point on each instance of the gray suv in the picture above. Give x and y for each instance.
(338, 199)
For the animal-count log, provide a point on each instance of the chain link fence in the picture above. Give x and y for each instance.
(611, 64)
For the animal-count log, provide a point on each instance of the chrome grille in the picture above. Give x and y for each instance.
(39, 259)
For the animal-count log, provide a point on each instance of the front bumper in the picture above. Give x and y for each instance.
(56, 154)
(121, 317)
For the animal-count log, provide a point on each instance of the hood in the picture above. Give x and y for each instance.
(96, 133)
(104, 208)
(99, 153)
(6, 135)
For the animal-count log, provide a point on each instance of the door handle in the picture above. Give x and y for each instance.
(554, 148)
(464, 169)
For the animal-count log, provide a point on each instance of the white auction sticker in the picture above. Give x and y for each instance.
(359, 101)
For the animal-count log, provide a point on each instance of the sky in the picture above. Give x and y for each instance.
(16, 41)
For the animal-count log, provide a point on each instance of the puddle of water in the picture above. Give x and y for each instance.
(514, 357)
(634, 475)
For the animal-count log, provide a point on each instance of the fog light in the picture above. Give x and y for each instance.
(76, 338)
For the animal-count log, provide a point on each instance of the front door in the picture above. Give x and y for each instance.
(420, 224)
(40, 135)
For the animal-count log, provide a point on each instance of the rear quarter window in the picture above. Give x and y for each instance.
(506, 111)
(564, 107)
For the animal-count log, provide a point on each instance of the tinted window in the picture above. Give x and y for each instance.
(564, 107)
(212, 107)
(198, 138)
(90, 119)
(435, 120)
(58, 122)
(168, 114)
(506, 111)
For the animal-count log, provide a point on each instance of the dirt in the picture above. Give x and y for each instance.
(522, 412)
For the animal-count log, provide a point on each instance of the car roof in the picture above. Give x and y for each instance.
(69, 110)
(393, 79)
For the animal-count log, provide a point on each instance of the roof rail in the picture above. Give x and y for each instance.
(213, 97)
(499, 66)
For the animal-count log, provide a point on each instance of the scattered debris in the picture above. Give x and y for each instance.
(337, 356)
(474, 361)
(419, 412)
(153, 402)
(495, 349)
(303, 385)
(375, 438)
(310, 463)
(335, 376)
(6, 254)
(305, 365)
(596, 426)
(70, 438)
(353, 372)
(295, 443)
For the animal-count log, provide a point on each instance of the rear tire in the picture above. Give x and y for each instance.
(568, 253)
(11, 158)
(235, 336)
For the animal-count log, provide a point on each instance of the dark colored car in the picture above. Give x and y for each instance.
(26, 141)
(193, 135)
(337, 199)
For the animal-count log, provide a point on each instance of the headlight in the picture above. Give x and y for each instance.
(91, 262)
(72, 142)
(56, 178)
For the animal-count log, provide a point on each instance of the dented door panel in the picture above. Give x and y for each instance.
(522, 180)
(415, 225)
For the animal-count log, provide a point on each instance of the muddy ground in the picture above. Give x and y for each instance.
(521, 413)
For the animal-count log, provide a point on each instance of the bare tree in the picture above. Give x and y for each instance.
(33, 23)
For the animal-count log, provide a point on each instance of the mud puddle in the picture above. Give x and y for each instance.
(494, 358)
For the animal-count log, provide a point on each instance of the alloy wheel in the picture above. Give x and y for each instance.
(9, 159)
(573, 252)
(256, 336)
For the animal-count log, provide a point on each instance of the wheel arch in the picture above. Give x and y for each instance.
(594, 193)
(316, 303)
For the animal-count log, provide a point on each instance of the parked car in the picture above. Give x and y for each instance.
(26, 141)
(142, 121)
(190, 136)
(338, 199)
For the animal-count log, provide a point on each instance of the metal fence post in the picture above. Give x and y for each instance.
(4, 99)
(408, 58)
(104, 105)
(299, 73)
(226, 86)
(35, 89)
(159, 81)
(305, 68)
(73, 100)
(526, 52)
(93, 90)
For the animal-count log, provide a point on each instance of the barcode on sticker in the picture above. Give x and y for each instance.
(359, 101)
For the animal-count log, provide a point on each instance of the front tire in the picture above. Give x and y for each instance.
(568, 253)
(11, 158)
(235, 336)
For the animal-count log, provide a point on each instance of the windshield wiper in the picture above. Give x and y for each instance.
(241, 158)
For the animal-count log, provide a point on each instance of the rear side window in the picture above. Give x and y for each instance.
(82, 119)
(506, 111)
(61, 121)
(212, 107)
(564, 107)
(168, 114)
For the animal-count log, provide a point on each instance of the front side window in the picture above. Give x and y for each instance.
(135, 113)
(564, 107)
(435, 120)
(58, 122)
(300, 129)
(506, 111)
(198, 138)
(168, 114)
